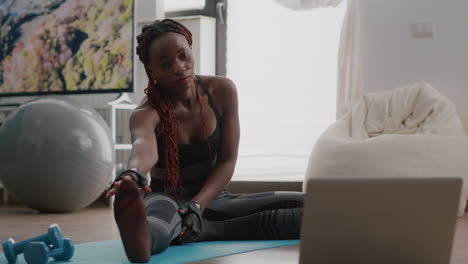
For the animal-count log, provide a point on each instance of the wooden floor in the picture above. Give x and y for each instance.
(97, 224)
(88, 225)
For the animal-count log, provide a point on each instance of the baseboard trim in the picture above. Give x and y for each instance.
(233, 187)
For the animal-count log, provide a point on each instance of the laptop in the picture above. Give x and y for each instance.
(379, 220)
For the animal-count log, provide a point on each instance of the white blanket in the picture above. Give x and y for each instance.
(415, 109)
(411, 131)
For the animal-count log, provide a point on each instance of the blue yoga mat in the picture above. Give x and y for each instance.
(107, 252)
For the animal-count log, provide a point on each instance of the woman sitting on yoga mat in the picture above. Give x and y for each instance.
(186, 134)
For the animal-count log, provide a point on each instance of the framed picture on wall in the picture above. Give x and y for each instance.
(66, 46)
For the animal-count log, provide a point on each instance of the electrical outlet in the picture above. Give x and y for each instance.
(422, 28)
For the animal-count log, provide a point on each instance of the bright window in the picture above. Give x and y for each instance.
(284, 64)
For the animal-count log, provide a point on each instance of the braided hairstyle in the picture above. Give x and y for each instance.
(162, 104)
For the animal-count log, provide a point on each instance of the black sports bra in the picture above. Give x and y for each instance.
(196, 152)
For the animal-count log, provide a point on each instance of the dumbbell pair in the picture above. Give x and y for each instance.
(36, 250)
(39, 252)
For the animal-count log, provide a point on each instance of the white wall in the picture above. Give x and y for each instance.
(391, 57)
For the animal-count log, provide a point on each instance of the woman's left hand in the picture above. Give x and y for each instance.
(191, 222)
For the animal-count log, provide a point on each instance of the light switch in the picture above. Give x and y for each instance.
(422, 28)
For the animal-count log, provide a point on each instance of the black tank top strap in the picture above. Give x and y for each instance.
(210, 98)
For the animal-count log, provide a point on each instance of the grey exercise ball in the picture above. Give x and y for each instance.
(55, 154)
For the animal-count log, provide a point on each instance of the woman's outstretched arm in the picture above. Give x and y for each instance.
(144, 153)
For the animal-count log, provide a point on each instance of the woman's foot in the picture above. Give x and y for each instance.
(130, 215)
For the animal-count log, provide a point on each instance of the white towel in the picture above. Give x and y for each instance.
(414, 109)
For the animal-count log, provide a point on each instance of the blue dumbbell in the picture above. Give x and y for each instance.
(39, 252)
(52, 237)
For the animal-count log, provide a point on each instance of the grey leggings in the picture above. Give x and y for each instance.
(259, 216)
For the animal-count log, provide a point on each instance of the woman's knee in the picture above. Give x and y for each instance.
(162, 232)
(164, 221)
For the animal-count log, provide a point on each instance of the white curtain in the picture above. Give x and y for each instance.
(349, 88)
(286, 86)
(307, 4)
(349, 85)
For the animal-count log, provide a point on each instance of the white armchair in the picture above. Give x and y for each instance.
(408, 132)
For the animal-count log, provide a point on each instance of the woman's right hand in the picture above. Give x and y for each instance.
(125, 180)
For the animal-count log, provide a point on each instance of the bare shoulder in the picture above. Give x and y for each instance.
(215, 83)
(144, 114)
(223, 89)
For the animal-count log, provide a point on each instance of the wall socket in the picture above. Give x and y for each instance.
(422, 28)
